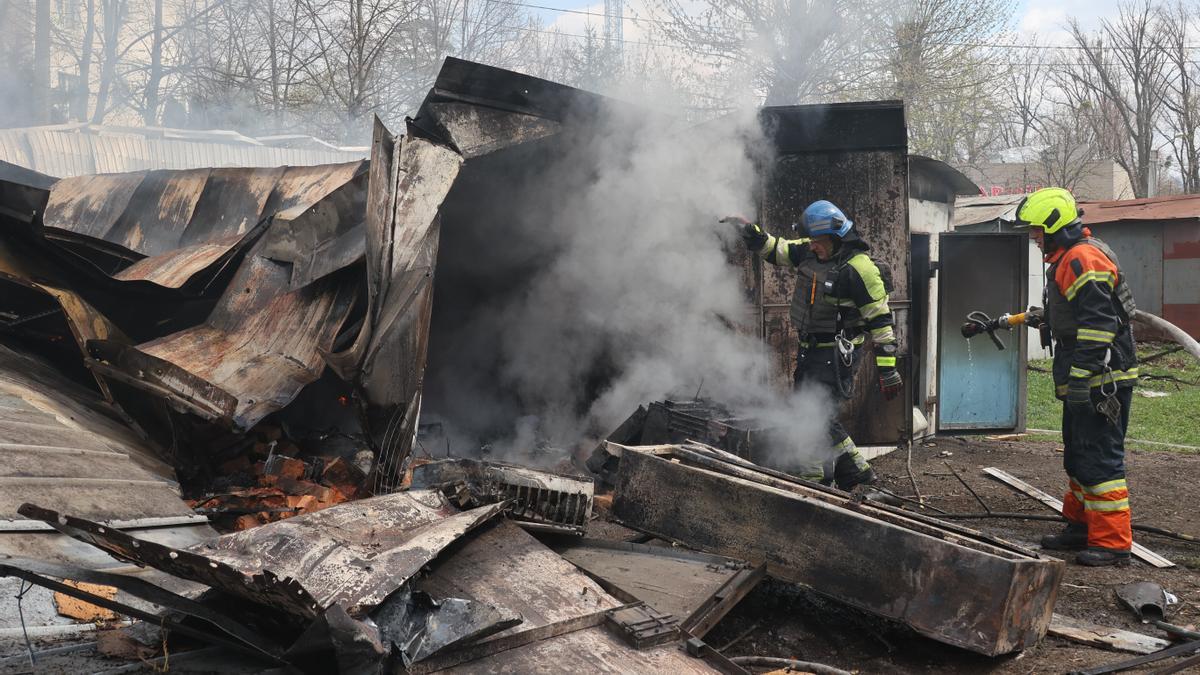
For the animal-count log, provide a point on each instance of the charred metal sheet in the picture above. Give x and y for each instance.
(388, 355)
(23, 193)
(944, 583)
(60, 445)
(491, 87)
(476, 130)
(419, 626)
(354, 554)
(218, 622)
(171, 225)
(338, 643)
(260, 346)
(223, 635)
(535, 496)
(264, 588)
(697, 588)
(562, 609)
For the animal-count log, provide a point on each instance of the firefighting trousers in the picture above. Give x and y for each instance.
(1094, 457)
(823, 368)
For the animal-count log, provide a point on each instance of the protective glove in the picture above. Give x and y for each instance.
(752, 234)
(890, 382)
(1079, 394)
(1035, 317)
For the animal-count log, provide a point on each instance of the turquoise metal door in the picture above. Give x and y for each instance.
(979, 386)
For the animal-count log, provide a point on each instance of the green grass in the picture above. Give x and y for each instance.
(1169, 419)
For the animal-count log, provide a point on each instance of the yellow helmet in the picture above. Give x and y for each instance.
(1051, 209)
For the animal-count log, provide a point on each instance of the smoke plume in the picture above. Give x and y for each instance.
(632, 297)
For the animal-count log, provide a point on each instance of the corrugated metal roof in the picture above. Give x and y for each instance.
(59, 446)
(184, 221)
(76, 150)
(1176, 207)
(972, 210)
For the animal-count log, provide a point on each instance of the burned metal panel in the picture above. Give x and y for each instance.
(554, 500)
(58, 445)
(23, 193)
(349, 558)
(477, 131)
(169, 226)
(354, 554)
(854, 155)
(942, 582)
(492, 87)
(260, 346)
(400, 259)
(507, 568)
(671, 580)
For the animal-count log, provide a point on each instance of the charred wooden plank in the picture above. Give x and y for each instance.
(968, 593)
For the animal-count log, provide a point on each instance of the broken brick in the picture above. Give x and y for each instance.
(82, 609)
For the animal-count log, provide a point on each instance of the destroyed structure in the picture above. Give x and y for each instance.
(250, 350)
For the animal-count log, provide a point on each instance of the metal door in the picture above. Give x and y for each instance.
(979, 386)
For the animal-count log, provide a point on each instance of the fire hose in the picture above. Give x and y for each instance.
(978, 322)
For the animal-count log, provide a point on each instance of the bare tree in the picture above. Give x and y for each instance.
(1072, 153)
(789, 51)
(941, 57)
(1121, 83)
(1182, 99)
(1027, 78)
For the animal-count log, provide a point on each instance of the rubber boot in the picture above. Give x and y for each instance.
(1103, 557)
(1072, 538)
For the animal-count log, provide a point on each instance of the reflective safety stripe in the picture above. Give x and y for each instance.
(1109, 486)
(1078, 495)
(868, 271)
(769, 246)
(883, 335)
(1080, 372)
(1098, 276)
(1103, 505)
(874, 309)
(1093, 335)
(845, 445)
(840, 302)
(885, 361)
(1104, 378)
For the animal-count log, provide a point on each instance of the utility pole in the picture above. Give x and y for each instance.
(614, 22)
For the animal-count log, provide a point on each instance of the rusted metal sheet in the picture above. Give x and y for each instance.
(854, 155)
(260, 346)
(170, 225)
(1181, 275)
(946, 582)
(1149, 209)
(353, 555)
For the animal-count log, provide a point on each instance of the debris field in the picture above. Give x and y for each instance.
(211, 383)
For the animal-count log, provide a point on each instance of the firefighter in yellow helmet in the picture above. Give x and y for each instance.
(1088, 308)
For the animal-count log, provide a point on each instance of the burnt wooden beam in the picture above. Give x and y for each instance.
(948, 585)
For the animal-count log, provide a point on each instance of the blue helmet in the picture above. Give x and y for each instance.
(822, 217)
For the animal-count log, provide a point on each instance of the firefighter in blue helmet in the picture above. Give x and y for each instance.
(840, 298)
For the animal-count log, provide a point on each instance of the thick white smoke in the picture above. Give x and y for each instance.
(641, 289)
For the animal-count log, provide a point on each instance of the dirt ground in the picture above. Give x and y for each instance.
(782, 620)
